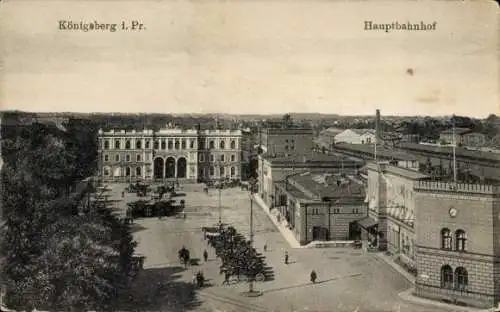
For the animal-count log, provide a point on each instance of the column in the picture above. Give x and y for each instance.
(175, 164)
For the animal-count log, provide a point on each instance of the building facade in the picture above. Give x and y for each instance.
(169, 154)
(320, 206)
(392, 209)
(356, 136)
(286, 141)
(458, 242)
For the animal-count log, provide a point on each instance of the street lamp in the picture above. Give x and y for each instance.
(252, 182)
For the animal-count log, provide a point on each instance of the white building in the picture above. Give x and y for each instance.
(356, 136)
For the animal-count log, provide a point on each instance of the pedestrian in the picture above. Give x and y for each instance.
(313, 276)
(226, 278)
(265, 247)
(286, 257)
(123, 194)
(205, 255)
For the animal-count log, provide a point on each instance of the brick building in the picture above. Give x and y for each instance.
(321, 206)
(458, 242)
(186, 155)
(275, 169)
(286, 141)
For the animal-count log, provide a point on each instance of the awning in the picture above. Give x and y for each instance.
(367, 222)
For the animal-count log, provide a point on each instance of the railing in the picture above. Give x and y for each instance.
(457, 187)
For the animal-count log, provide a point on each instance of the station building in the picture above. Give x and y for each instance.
(169, 154)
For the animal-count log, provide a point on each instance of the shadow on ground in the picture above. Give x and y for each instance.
(172, 294)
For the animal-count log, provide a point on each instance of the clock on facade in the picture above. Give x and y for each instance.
(453, 212)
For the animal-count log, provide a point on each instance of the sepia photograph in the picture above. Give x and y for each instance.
(249, 156)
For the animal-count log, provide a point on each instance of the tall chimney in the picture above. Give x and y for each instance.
(377, 126)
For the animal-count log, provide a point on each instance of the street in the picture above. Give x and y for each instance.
(348, 279)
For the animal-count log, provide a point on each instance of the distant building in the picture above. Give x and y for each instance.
(286, 141)
(457, 242)
(462, 137)
(274, 169)
(169, 154)
(321, 206)
(356, 136)
(326, 138)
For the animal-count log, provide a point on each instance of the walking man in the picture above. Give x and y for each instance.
(313, 276)
(286, 257)
(205, 255)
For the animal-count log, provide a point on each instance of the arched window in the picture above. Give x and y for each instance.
(138, 171)
(211, 145)
(117, 157)
(147, 144)
(461, 278)
(445, 239)
(233, 144)
(233, 158)
(138, 144)
(157, 144)
(138, 157)
(222, 171)
(460, 240)
(106, 144)
(191, 144)
(106, 157)
(233, 171)
(212, 170)
(170, 145)
(222, 158)
(127, 158)
(222, 144)
(201, 144)
(117, 144)
(446, 277)
(163, 144)
(106, 171)
(127, 144)
(127, 171)
(183, 144)
(176, 144)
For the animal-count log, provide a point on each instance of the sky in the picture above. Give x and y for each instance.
(251, 57)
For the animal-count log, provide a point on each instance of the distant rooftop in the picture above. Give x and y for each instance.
(312, 159)
(382, 152)
(460, 152)
(408, 173)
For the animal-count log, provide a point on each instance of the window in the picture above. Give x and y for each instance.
(127, 144)
(117, 144)
(233, 157)
(138, 144)
(460, 240)
(211, 145)
(176, 144)
(138, 157)
(445, 239)
(222, 144)
(446, 277)
(147, 144)
(222, 171)
(233, 171)
(355, 210)
(222, 158)
(106, 144)
(212, 158)
(183, 144)
(127, 158)
(201, 145)
(117, 157)
(461, 278)
(138, 171)
(233, 144)
(286, 141)
(315, 211)
(286, 147)
(212, 170)
(164, 144)
(157, 144)
(191, 144)
(127, 171)
(106, 171)
(106, 157)
(336, 210)
(170, 144)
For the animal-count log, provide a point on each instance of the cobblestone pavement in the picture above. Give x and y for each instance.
(348, 279)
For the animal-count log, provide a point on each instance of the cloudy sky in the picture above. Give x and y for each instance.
(251, 56)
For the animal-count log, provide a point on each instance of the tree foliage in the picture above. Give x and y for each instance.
(54, 257)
